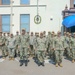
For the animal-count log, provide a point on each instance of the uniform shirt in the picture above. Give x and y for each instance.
(31, 40)
(66, 41)
(17, 40)
(59, 43)
(41, 44)
(5, 39)
(24, 40)
(52, 42)
(2, 41)
(11, 42)
(73, 43)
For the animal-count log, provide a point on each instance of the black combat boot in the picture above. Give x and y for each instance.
(42, 64)
(39, 63)
(21, 62)
(26, 62)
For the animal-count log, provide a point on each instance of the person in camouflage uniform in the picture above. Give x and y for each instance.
(44, 33)
(2, 44)
(41, 49)
(7, 38)
(66, 44)
(17, 36)
(48, 38)
(31, 42)
(70, 45)
(73, 48)
(11, 46)
(24, 45)
(51, 46)
(5, 53)
(59, 49)
(35, 45)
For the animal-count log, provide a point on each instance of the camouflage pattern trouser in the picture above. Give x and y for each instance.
(4, 51)
(73, 53)
(11, 52)
(31, 49)
(17, 51)
(68, 52)
(58, 56)
(23, 53)
(40, 56)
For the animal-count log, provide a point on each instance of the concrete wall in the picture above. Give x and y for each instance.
(48, 9)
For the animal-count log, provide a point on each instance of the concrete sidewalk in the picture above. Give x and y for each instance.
(12, 68)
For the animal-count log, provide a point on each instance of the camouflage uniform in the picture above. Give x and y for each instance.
(31, 42)
(11, 47)
(24, 45)
(72, 47)
(41, 49)
(17, 52)
(51, 45)
(2, 44)
(5, 47)
(66, 45)
(58, 50)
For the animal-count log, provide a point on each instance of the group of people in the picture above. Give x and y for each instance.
(38, 46)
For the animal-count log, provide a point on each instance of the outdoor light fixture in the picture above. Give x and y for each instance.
(37, 18)
(51, 18)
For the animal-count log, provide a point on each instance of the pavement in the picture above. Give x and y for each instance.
(12, 68)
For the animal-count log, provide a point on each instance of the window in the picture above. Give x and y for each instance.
(25, 1)
(74, 3)
(25, 22)
(5, 2)
(5, 23)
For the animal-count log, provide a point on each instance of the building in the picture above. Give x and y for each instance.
(67, 12)
(18, 14)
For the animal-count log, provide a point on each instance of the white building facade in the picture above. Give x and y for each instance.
(18, 14)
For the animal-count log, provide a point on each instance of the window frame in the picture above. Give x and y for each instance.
(24, 23)
(6, 24)
(24, 4)
(5, 4)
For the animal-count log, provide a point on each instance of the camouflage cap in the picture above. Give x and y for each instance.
(64, 32)
(74, 33)
(17, 31)
(8, 33)
(0, 31)
(67, 33)
(53, 32)
(23, 29)
(41, 33)
(31, 32)
(58, 32)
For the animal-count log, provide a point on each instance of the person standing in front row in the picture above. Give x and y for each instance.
(11, 47)
(59, 49)
(41, 49)
(24, 47)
